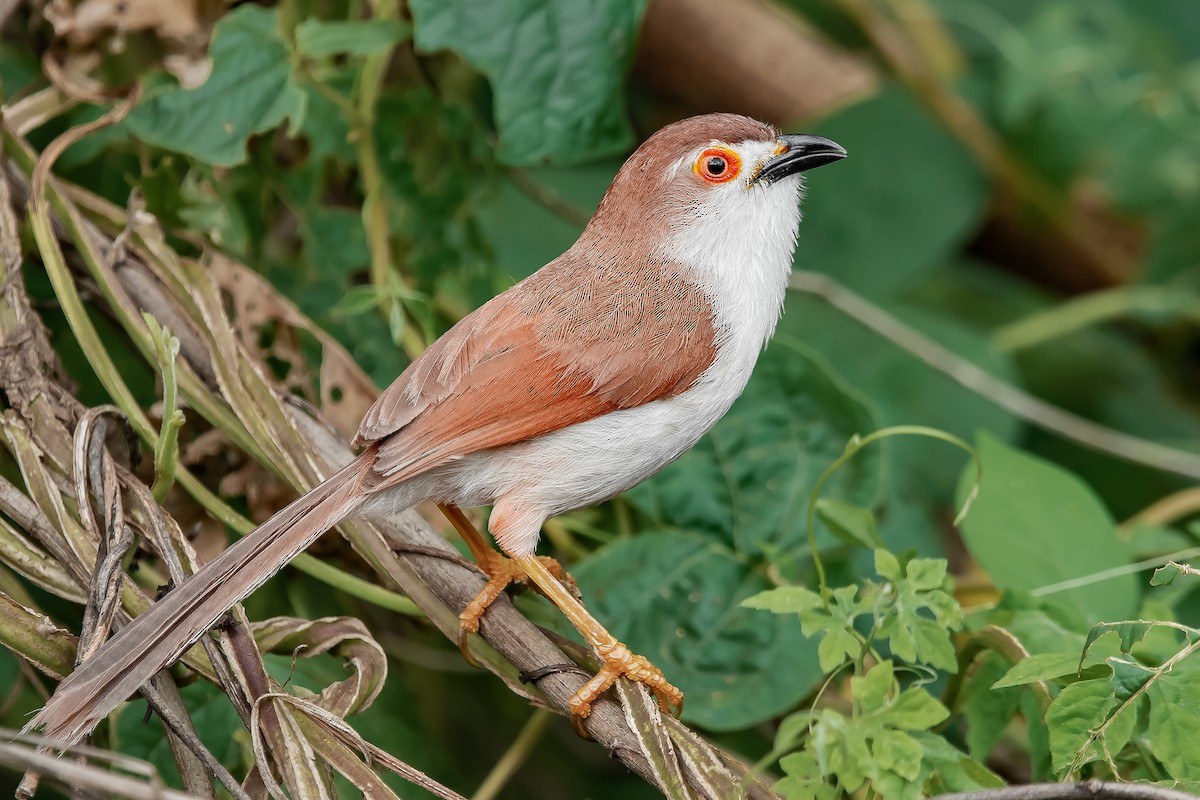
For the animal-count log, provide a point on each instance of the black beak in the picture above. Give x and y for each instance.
(802, 152)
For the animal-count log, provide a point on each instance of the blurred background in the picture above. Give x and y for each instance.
(1015, 234)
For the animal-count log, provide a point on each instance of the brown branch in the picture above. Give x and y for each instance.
(1083, 790)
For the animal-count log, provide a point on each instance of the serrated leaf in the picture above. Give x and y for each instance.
(557, 69)
(872, 690)
(318, 38)
(1039, 667)
(852, 524)
(925, 574)
(1129, 632)
(676, 598)
(747, 481)
(784, 600)
(1079, 709)
(1035, 524)
(914, 710)
(899, 753)
(250, 90)
(887, 566)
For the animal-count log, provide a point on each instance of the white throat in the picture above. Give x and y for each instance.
(742, 252)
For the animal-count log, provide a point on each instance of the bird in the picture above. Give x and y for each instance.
(570, 387)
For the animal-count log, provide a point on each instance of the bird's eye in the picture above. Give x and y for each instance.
(718, 165)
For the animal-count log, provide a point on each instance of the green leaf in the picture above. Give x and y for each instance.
(1173, 730)
(899, 753)
(1035, 524)
(871, 691)
(747, 481)
(676, 598)
(1165, 576)
(1079, 709)
(852, 524)
(249, 91)
(784, 600)
(952, 770)
(557, 69)
(318, 38)
(914, 710)
(1039, 667)
(901, 226)
(803, 779)
(986, 709)
(1127, 677)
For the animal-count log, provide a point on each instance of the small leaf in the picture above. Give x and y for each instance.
(925, 574)
(852, 524)
(914, 710)
(318, 38)
(872, 690)
(1165, 576)
(784, 600)
(887, 566)
(1127, 677)
(1039, 667)
(899, 753)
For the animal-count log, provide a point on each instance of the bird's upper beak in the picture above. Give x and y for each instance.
(798, 152)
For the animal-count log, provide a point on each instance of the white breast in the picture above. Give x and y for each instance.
(743, 256)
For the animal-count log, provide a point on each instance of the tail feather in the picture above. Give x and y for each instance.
(173, 624)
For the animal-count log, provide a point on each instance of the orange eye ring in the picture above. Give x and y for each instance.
(718, 165)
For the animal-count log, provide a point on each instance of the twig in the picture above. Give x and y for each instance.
(1017, 401)
(1083, 790)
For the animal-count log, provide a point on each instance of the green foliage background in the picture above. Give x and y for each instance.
(390, 166)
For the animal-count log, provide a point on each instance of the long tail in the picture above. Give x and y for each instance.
(173, 624)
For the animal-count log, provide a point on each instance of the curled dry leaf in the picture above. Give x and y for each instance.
(344, 393)
(343, 637)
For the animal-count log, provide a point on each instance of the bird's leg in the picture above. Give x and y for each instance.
(617, 658)
(500, 569)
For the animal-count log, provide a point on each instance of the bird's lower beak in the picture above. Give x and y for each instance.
(797, 153)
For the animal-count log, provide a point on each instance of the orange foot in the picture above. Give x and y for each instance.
(501, 571)
(619, 662)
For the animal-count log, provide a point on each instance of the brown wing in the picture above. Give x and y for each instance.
(570, 343)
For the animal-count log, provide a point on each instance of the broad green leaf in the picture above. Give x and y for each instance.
(1034, 524)
(249, 91)
(747, 482)
(317, 38)
(675, 598)
(899, 206)
(1081, 708)
(1130, 632)
(852, 524)
(1174, 725)
(557, 69)
(1039, 667)
(987, 710)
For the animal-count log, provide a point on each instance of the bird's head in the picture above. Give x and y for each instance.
(720, 182)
